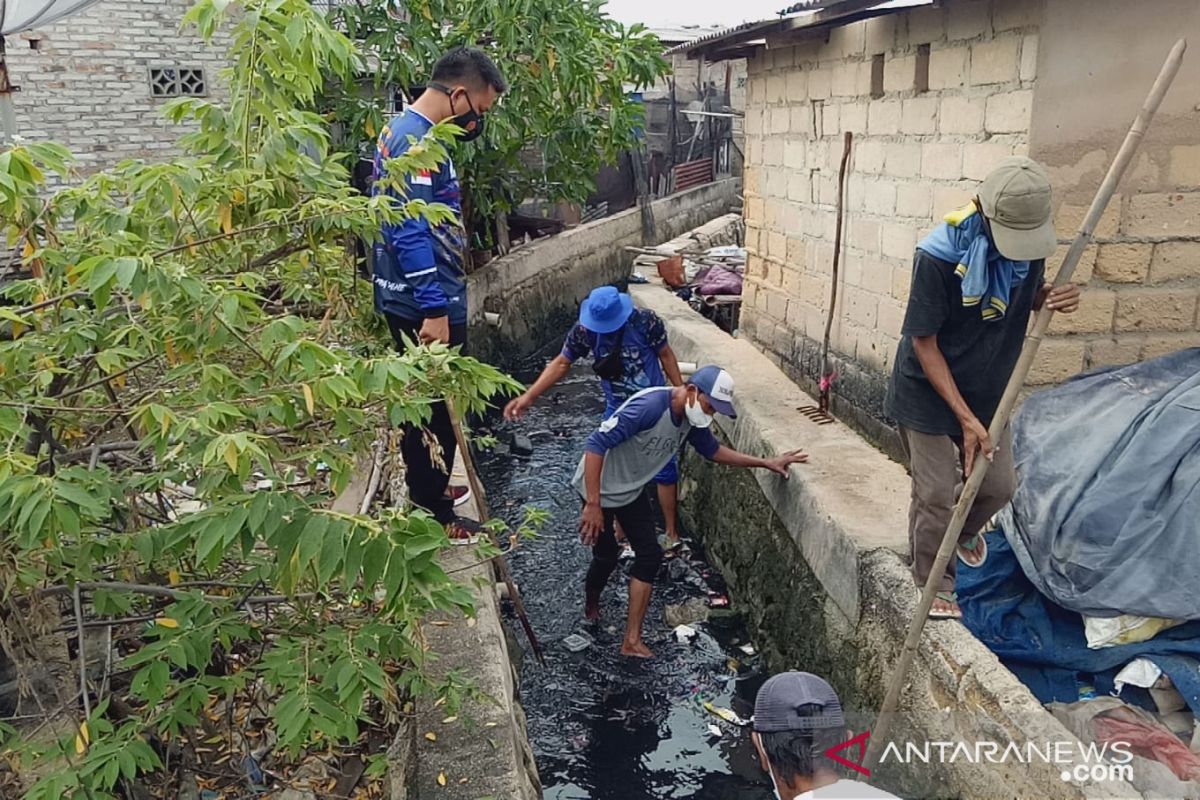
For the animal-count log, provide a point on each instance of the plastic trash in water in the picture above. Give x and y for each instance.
(718, 601)
(254, 773)
(638, 277)
(713, 730)
(748, 649)
(577, 643)
(684, 633)
(726, 714)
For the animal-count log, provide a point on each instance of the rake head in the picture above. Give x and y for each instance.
(816, 414)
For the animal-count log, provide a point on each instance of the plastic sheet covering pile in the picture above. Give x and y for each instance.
(1104, 520)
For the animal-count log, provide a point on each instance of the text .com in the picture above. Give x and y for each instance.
(1077, 762)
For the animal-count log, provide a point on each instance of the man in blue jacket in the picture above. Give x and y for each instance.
(419, 274)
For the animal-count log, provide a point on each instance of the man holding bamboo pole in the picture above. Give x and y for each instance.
(976, 279)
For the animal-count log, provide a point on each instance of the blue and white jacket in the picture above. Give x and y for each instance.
(419, 268)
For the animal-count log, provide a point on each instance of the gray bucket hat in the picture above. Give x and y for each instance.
(1016, 201)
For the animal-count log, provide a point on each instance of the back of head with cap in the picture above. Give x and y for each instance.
(797, 718)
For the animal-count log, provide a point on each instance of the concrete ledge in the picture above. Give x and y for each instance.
(849, 498)
(536, 290)
(488, 744)
(486, 751)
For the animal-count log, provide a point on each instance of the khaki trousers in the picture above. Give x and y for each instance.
(937, 479)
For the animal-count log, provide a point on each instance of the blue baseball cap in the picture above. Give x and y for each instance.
(717, 385)
(605, 310)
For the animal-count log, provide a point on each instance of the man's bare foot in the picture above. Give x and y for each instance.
(636, 650)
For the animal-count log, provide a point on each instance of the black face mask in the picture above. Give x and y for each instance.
(471, 121)
(610, 367)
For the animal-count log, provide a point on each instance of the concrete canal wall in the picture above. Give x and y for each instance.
(815, 562)
(536, 290)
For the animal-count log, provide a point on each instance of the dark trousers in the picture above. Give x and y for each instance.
(637, 520)
(426, 480)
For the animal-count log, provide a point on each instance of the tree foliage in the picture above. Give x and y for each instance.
(567, 112)
(186, 378)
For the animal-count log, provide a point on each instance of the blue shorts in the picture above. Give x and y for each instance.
(668, 475)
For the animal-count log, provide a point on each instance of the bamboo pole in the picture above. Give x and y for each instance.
(501, 564)
(1000, 421)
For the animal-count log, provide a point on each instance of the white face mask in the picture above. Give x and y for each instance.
(695, 414)
(774, 785)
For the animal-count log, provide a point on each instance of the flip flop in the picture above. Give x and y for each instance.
(968, 545)
(459, 494)
(948, 597)
(463, 531)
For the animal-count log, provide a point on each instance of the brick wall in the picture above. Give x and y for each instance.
(1143, 275)
(87, 85)
(917, 154)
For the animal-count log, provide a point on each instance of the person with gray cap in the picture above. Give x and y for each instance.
(975, 280)
(623, 456)
(798, 720)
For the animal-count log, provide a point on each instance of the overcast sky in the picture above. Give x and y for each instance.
(693, 12)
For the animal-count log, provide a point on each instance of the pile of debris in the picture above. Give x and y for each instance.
(1088, 593)
(700, 270)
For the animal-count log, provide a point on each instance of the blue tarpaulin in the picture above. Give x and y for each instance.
(1044, 644)
(1106, 517)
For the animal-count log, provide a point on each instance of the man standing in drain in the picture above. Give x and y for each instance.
(419, 275)
(624, 455)
(976, 279)
(631, 354)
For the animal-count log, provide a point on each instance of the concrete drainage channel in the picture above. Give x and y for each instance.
(813, 565)
(604, 727)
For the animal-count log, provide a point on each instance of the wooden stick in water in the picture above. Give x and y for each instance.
(484, 513)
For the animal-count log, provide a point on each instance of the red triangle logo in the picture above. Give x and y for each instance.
(860, 742)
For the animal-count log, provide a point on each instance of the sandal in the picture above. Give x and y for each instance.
(458, 494)
(463, 531)
(954, 612)
(973, 550)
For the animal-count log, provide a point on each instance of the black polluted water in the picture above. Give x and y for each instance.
(606, 727)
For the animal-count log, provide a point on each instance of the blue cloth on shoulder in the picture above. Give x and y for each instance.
(987, 277)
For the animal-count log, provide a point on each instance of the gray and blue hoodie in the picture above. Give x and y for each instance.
(637, 442)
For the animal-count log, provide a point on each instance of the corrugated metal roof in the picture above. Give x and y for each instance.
(682, 33)
(828, 13)
(722, 34)
(808, 5)
(20, 15)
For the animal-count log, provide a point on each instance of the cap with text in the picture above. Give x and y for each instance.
(717, 384)
(785, 703)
